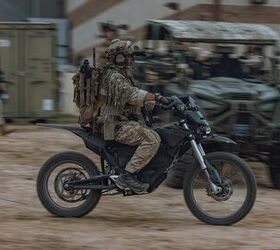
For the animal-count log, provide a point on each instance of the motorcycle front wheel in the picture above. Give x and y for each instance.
(236, 198)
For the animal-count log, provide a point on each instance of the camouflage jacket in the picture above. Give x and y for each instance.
(120, 100)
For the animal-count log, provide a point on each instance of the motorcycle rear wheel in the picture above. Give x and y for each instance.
(233, 190)
(56, 199)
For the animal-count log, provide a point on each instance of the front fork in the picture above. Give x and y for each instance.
(200, 155)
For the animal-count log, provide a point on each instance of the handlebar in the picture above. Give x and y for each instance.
(178, 105)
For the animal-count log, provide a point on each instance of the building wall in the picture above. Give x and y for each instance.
(86, 14)
(20, 10)
(72, 5)
(86, 17)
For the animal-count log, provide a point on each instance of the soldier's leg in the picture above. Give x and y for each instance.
(2, 121)
(3, 129)
(148, 141)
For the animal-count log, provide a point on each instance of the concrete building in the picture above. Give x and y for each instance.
(85, 15)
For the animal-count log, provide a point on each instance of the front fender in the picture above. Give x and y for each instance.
(218, 138)
(218, 143)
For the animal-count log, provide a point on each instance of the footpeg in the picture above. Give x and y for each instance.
(127, 192)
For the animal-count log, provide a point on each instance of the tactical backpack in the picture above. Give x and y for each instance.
(86, 91)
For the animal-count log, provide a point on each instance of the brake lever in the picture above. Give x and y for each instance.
(191, 105)
(167, 106)
(192, 108)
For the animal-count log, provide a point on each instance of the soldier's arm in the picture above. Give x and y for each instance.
(141, 96)
(138, 97)
(133, 95)
(150, 97)
(123, 92)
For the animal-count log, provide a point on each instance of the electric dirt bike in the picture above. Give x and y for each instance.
(219, 189)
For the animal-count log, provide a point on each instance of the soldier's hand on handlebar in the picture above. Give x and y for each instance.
(191, 105)
(174, 102)
(177, 104)
(162, 99)
(169, 102)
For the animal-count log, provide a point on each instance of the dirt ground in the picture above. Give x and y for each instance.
(156, 221)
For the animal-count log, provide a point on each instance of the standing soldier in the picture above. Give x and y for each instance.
(109, 33)
(3, 97)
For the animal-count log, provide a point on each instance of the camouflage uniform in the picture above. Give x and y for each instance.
(3, 130)
(133, 133)
(121, 103)
(2, 91)
(2, 121)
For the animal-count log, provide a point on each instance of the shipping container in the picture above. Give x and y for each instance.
(28, 60)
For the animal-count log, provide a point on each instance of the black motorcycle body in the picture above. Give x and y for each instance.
(174, 143)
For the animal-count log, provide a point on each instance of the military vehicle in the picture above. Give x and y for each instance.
(242, 105)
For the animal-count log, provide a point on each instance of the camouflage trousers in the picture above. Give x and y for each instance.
(147, 140)
(2, 121)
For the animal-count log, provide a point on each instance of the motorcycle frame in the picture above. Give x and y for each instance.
(109, 178)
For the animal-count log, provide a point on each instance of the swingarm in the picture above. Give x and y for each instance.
(91, 183)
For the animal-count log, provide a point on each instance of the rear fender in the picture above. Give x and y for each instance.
(92, 141)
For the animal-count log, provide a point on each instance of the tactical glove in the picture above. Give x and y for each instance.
(162, 99)
(191, 105)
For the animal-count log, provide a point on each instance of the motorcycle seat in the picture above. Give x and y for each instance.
(114, 152)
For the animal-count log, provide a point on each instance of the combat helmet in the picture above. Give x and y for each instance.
(120, 52)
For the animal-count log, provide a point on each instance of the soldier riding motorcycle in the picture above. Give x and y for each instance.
(136, 158)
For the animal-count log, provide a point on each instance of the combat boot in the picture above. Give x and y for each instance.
(129, 180)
